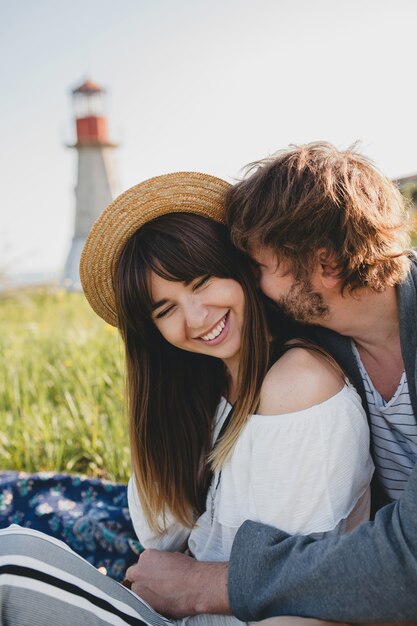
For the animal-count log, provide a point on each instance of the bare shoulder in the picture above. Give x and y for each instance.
(300, 379)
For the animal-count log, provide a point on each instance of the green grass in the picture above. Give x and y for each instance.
(61, 387)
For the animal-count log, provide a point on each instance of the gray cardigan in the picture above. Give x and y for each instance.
(369, 575)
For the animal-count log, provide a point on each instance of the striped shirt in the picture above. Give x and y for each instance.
(394, 433)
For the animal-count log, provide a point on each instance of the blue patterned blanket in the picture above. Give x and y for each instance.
(90, 515)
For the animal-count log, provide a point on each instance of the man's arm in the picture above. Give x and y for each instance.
(369, 575)
(177, 585)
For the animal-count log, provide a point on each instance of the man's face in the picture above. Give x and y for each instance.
(296, 298)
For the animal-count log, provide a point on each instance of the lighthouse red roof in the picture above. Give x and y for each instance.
(88, 87)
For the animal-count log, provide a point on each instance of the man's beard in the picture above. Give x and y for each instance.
(304, 304)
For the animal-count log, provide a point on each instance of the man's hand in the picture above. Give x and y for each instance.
(176, 585)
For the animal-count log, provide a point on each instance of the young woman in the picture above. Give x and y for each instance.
(221, 429)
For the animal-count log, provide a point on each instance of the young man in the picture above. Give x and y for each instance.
(330, 235)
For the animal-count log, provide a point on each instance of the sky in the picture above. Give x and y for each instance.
(206, 85)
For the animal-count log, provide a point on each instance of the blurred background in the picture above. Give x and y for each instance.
(190, 84)
(98, 95)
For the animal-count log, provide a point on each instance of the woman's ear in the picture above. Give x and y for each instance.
(328, 269)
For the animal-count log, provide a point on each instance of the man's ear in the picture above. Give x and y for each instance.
(328, 269)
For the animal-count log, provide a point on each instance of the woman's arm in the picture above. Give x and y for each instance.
(173, 539)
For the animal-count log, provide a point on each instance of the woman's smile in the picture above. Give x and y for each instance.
(218, 332)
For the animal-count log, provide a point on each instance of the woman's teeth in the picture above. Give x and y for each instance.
(216, 331)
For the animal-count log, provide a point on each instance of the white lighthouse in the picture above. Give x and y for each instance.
(96, 178)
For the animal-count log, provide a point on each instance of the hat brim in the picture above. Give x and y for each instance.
(180, 192)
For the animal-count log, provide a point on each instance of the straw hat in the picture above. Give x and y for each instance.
(181, 192)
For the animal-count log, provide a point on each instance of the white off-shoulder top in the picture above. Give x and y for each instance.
(304, 472)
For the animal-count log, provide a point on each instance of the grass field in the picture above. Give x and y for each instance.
(61, 387)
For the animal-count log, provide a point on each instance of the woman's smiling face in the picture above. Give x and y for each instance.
(204, 316)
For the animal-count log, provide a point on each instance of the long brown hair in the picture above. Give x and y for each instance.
(173, 394)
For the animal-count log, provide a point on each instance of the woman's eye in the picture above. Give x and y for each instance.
(162, 314)
(202, 281)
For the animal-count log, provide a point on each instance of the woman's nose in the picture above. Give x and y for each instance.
(196, 314)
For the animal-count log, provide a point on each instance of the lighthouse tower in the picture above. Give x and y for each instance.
(96, 178)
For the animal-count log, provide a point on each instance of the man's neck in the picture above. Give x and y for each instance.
(368, 317)
(371, 320)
